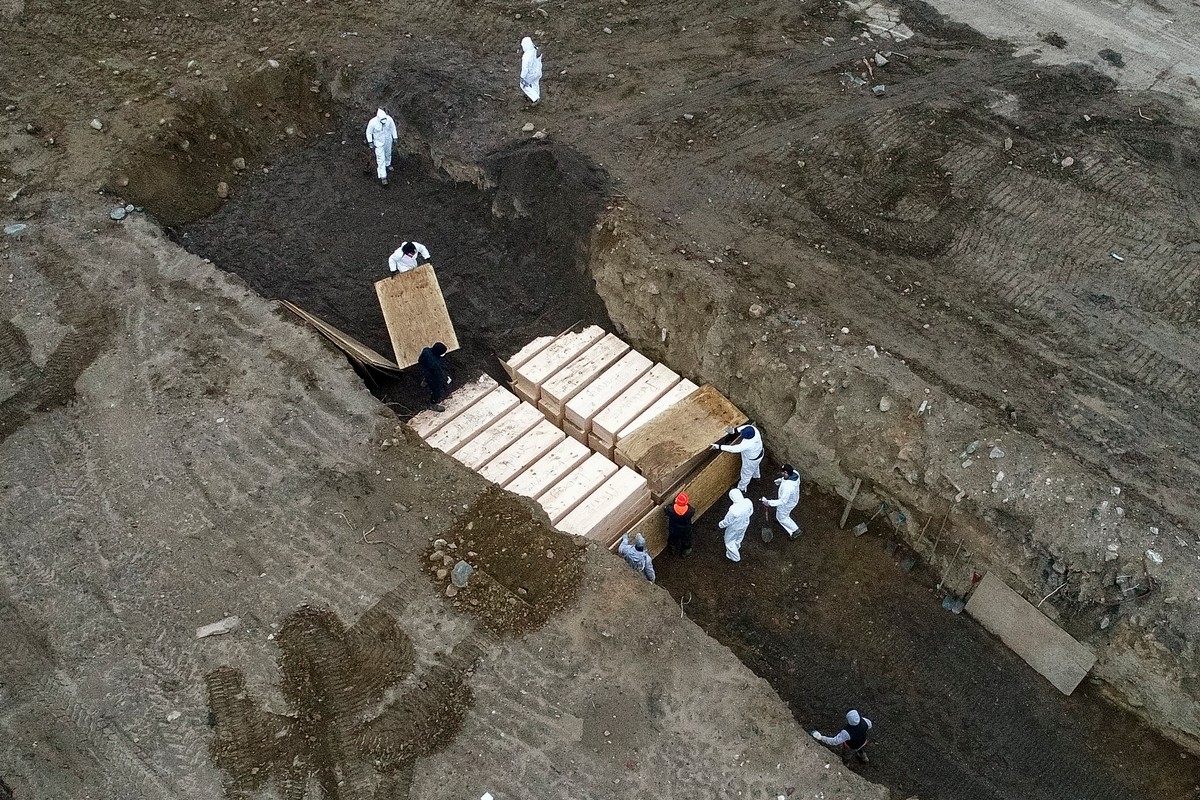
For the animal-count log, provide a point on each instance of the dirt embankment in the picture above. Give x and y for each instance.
(1036, 516)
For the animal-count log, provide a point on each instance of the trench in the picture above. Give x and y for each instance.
(831, 621)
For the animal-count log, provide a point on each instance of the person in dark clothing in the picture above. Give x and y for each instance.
(679, 525)
(433, 367)
(852, 738)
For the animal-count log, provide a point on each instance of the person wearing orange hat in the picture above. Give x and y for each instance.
(679, 525)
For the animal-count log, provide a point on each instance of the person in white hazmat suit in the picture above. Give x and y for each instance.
(751, 449)
(381, 138)
(531, 70)
(735, 523)
(407, 256)
(636, 557)
(785, 503)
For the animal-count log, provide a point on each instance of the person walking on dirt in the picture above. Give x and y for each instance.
(407, 256)
(531, 70)
(381, 138)
(751, 448)
(636, 557)
(735, 523)
(679, 525)
(433, 367)
(789, 497)
(852, 739)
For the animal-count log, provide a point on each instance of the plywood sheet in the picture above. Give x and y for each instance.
(430, 422)
(569, 380)
(521, 454)
(499, 435)
(550, 468)
(467, 425)
(601, 514)
(347, 343)
(604, 388)
(524, 354)
(678, 392)
(562, 497)
(633, 401)
(667, 447)
(707, 487)
(1030, 634)
(556, 355)
(415, 313)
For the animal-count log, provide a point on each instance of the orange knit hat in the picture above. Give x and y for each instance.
(681, 503)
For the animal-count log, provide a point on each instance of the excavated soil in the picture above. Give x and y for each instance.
(835, 621)
(524, 571)
(313, 229)
(829, 621)
(1010, 241)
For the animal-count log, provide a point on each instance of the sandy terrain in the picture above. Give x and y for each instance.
(1008, 240)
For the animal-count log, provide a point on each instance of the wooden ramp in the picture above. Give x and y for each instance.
(356, 350)
(1030, 634)
(415, 313)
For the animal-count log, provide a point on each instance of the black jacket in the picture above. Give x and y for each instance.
(432, 367)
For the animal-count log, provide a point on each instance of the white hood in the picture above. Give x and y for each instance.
(736, 496)
(527, 45)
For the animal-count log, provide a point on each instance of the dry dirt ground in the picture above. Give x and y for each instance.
(1008, 241)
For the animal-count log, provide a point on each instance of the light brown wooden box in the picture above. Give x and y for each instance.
(604, 388)
(530, 376)
(523, 453)
(550, 468)
(569, 380)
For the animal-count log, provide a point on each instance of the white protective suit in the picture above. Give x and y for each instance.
(637, 557)
(785, 503)
(751, 448)
(737, 520)
(381, 136)
(399, 262)
(531, 70)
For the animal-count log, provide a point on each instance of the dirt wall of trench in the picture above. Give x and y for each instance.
(1033, 515)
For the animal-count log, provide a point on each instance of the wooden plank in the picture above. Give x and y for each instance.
(549, 469)
(521, 393)
(601, 513)
(467, 425)
(524, 354)
(522, 453)
(562, 351)
(604, 388)
(600, 446)
(430, 422)
(347, 343)
(705, 488)
(556, 418)
(415, 313)
(574, 432)
(1030, 634)
(499, 435)
(562, 497)
(679, 391)
(669, 446)
(584, 368)
(629, 405)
